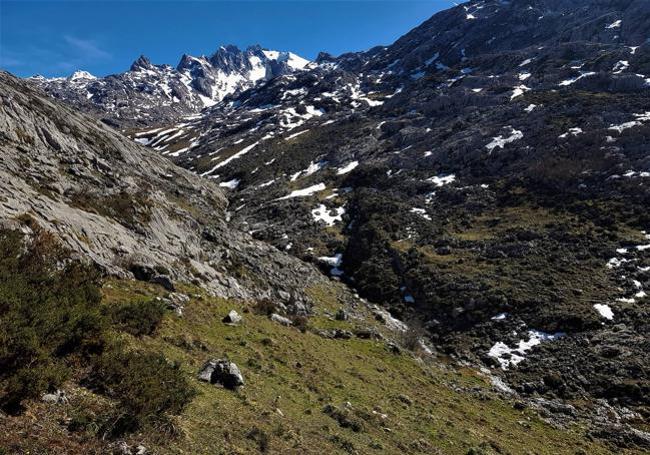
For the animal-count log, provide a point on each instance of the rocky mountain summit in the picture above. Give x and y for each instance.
(149, 93)
(484, 178)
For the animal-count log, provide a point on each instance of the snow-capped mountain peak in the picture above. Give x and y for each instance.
(148, 91)
(81, 75)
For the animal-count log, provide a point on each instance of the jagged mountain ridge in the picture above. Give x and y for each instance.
(149, 93)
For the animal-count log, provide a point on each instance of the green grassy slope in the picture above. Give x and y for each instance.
(384, 402)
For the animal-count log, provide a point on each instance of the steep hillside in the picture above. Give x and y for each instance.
(127, 208)
(485, 175)
(483, 178)
(95, 361)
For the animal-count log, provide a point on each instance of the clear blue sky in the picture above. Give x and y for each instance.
(54, 38)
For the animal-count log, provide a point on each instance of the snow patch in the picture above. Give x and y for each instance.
(604, 310)
(304, 192)
(508, 356)
(322, 213)
(518, 91)
(421, 212)
(583, 74)
(230, 184)
(615, 24)
(572, 132)
(442, 179)
(501, 141)
(237, 155)
(347, 168)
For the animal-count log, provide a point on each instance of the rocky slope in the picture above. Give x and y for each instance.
(126, 208)
(484, 177)
(478, 175)
(348, 378)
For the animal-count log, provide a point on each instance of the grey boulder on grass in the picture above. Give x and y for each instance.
(221, 371)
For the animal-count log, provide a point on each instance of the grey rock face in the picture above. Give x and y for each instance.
(119, 204)
(220, 371)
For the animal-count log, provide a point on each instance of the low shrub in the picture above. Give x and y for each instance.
(138, 318)
(49, 310)
(147, 386)
(52, 324)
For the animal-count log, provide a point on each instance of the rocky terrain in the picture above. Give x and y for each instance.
(137, 320)
(126, 208)
(484, 179)
(479, 176)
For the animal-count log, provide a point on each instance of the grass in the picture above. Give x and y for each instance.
(291, 377)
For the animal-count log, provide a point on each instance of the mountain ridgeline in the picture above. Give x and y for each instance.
(149, 93)
(471, 200)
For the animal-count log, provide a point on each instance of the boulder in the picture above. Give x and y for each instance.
(142, 272)
(342, 334)
(368, 334)
(58, 397)
(232, 318)
(341, 315)
(221, 371)
(164, 281)
(281, 319)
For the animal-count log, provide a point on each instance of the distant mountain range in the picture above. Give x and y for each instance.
(150, 93)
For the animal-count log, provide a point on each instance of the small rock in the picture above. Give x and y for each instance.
(164, 281)
(519, 405)
(58, 397)
(121, 448)
(341, 315)
(342, 334)
(232, 318)
(367, 334)
(281, 319)
(284, 295)
(221, 371)
(393, 347)
(405, 399)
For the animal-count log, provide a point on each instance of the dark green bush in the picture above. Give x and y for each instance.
(49, 309)
(51, 321)
(147, 386)
(138, 318)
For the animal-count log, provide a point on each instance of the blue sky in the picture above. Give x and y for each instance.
(54, 38)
